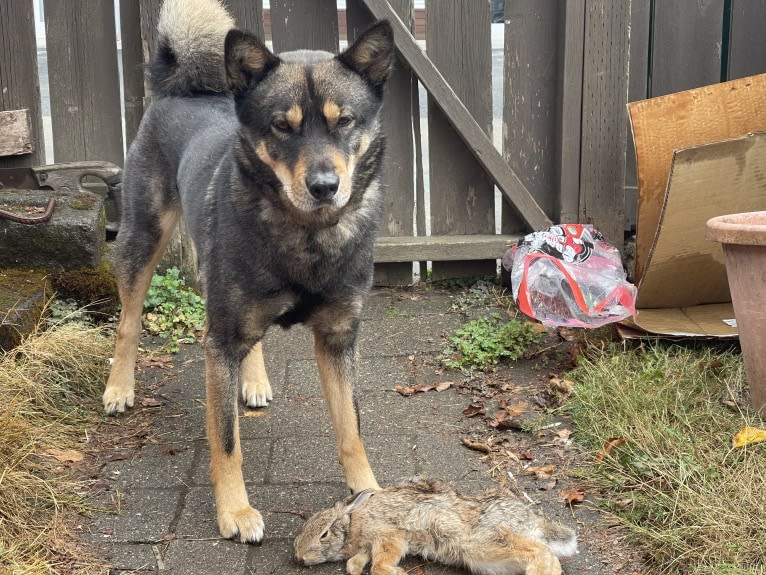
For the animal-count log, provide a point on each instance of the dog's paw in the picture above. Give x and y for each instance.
(245, 525)
(256, 393)
(117, 400)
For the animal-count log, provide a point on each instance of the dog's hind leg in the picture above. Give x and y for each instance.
(138, 253)
(236, 519)
(335, 332)
(256, 389)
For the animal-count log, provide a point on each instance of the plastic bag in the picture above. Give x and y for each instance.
(568, 275)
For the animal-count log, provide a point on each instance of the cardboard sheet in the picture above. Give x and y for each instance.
(706, 321)
(681, 120)
(683, 268)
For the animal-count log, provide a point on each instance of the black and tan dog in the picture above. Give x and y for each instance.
(275, 163)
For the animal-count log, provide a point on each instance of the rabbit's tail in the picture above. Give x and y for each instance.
(561, 540)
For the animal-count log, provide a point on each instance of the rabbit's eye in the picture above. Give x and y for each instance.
(324, 535)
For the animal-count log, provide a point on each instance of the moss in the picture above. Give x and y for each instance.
(92, 287)
(83, 201)
(23, 294)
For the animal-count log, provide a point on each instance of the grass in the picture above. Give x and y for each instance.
(691, 501)
(50, 385)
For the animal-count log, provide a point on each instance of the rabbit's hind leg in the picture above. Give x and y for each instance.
(387, 551)
(516, 555)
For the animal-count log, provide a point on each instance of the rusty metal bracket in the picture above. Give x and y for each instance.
(29, 220)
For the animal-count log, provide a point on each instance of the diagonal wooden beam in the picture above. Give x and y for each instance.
(462, 120)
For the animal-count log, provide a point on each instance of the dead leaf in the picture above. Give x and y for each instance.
(526, 454)
(476, 445)
(562, 386)
(542, 472)
(255, 413)
(65, 455)
(571, 334)
(564, 434)
(623, 504)
(473, 410)
(443, 385)
(151, 402)
(406, 391)
(748, 435)
(608, 447)
(517, 408)
(572, 495)
(503, 421)
(423, 387)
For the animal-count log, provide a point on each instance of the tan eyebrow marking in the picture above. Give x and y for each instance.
(294, 117)
(331, 111)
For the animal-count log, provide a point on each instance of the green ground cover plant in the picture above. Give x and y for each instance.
(172, 310)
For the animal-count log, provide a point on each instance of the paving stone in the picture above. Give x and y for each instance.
(206, 557)
(255, 461)
(126, 557)
(282, 507)
(145, 515)
(154, 467)
(397, 303)
(441, 454)
(406, 335)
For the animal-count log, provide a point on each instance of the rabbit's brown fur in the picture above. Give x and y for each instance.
(490, 535)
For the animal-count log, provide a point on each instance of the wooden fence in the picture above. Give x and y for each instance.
(569, 69)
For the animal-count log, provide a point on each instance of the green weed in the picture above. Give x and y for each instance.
(172, 310)
(483, 342)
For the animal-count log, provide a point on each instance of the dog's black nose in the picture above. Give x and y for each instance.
(323, 185)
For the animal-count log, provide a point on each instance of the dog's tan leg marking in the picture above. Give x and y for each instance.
(236, 519)
(119, 393)
(387, 551)
(256, 389)
(336, 377)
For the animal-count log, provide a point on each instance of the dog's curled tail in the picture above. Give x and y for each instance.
(190, 48)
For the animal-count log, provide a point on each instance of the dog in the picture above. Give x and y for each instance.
(275, 163)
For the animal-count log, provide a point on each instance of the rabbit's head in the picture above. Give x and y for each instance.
(323, 537)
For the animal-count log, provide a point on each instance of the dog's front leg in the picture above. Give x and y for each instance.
(336, 358)
(236, 519)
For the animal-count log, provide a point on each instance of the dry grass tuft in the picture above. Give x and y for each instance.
(695, 504)
(49, 386)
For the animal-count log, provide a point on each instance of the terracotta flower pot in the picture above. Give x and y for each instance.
(743, 237)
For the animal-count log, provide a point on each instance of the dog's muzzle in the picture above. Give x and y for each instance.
(323, 185)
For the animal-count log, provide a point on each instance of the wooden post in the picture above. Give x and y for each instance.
(398, 123)
(19, 87)
(299, 24)
(604, 117)
(462, 194)
(84, 81)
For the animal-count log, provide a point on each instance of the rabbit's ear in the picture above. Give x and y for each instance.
(357, 500)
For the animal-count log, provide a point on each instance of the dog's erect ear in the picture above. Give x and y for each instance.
(372, 55)
(247, 59)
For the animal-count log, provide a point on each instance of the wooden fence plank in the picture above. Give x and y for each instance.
(479, 144)
(530, 111)
(19, 86)
(442, 248)
(248, 14)
(462, 195)
(397, 122)
(573, 29)
(298, 24)
(747, 40)
(84, 81)
(686, 46)
(605, 93)
(132, 67)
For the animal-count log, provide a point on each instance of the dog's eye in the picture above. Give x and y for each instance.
(344, 121)
(281, 125)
